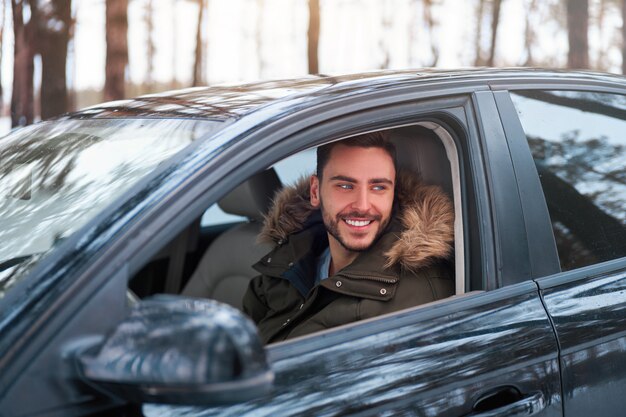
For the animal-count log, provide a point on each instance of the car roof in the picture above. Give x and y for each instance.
(228, 102)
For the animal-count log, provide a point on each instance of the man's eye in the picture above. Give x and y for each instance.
(379, 188)
(345, 186)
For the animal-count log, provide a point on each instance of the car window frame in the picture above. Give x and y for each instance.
(540, 238)
(313, 136)
(386, 117)
(367, 119)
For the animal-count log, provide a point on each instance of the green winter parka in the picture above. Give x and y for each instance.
(407, 266)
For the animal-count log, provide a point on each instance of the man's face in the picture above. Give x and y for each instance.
(355, 195)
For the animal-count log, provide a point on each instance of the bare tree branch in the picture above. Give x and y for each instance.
(314, 36)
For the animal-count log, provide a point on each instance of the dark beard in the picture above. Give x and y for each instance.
(332, 227)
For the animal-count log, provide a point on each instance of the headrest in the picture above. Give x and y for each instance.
(420, 150)
(253, 197)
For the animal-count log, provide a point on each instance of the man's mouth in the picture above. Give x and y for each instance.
(357, 223)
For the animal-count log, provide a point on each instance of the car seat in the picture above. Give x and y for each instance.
(429, 150)
(225, 269)
(420, 150)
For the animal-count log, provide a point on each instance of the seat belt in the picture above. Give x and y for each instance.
(187, 240)
(178, 252)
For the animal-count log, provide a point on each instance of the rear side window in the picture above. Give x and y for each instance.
(577, 140)
(289, 170)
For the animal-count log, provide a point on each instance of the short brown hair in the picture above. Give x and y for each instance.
(378, 139)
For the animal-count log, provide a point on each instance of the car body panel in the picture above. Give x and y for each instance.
(509, 233)
(278, 97)
(435, 361)
(52, 376)
(543, 256)
(588, 308)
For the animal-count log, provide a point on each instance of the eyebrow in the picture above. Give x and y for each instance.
(354, 180)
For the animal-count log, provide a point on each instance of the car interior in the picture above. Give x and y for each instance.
(212, 256)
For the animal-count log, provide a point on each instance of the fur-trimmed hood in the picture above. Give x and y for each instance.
(425, 213)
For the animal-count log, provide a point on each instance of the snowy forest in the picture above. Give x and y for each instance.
(38, 39)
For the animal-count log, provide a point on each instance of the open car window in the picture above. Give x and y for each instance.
(225, 245)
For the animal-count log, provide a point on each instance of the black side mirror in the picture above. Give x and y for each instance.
(176, 350)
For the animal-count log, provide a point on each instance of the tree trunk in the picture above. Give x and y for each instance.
(495, 21)
(54, 26)
(601, 62)
(386, 23)
(413, 38)
(623, 36)
(117, 49)
(529, 33)
(480, 11)
(198, 55)
(314, 36)
(150, 49)
(71, 57)
(174, 81)
(431, 24)
(577, 33)
(22, 100)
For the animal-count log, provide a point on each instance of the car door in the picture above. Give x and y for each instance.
(576, 136)
(489, 351)
(492, 351)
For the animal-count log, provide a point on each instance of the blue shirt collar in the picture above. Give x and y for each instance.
(323, 265)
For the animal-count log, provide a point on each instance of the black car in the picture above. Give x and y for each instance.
(109, 214)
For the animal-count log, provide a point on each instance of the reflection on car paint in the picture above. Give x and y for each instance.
(590, 318)
(388, 370)
(578, 144)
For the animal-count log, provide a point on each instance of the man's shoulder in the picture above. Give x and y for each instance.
(310, 241)
(437, 276)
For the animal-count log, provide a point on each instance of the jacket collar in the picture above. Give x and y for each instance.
(424, 219)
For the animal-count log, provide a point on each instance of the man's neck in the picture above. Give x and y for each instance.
(340, 257)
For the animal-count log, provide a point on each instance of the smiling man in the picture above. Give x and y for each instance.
(355, 241)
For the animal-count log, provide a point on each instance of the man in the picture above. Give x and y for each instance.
(353, 242)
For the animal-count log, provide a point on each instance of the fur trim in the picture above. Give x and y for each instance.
(425, 212)
(427, 217)
(290, 209)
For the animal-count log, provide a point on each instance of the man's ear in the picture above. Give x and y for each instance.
(314, 191)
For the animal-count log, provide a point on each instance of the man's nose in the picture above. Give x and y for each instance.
(362, 200)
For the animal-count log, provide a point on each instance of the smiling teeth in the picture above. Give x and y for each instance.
(358, 223)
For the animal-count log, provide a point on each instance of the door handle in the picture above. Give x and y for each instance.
(527, 406)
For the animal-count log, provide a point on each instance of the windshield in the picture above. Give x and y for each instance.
(56, 176)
